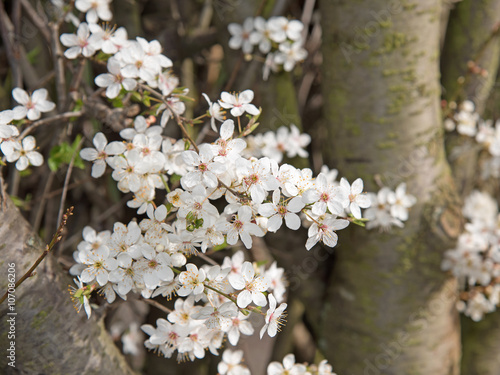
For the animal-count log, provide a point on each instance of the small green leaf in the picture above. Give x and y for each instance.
(136, 97)
(117, 102)
(146, 100)
(175, 178)
(360, 222)
(32, 56)
(63, 153)
(25, 173)
(220, 247)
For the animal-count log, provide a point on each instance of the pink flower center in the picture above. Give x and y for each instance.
(325, 197)
(238, 224)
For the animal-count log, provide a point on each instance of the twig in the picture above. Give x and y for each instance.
(234, 73)
(43, 80)
(55, 239)
(59, 191)
(58, 59)
(41, 205)
(66, 181)
(174, 114)
(48, 120)
(77, 78)
(207, 259)
(14, 182)
(157, 305)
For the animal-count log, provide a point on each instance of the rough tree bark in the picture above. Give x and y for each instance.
(50, 337)
(390, 309)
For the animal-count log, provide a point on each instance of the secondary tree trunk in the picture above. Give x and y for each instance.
(471, 37)
(390, 310)
(50, 337)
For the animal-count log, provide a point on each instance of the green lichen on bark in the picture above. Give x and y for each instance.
(378, 280)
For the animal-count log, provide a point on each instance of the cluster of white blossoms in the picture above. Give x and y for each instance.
(260, 194)
(285, 141)
(464, 119)
(231, 364)
(467, 122)
(219, 193)
(22, 150)
(475, 260)
(215, 301)
(278, 38)
(389, 208)
(149, 256)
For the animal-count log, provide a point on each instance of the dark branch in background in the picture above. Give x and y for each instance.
(36, 19)
(48, 120)
(473, 63)
(66, 182)
(7, 30)
(116, 118)
(58, 60)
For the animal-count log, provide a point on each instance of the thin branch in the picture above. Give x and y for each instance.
(234, 73)
(174, 114)
(58, 59)
(43, 200)
(77, 78)
(66, 181)
(48, 120)
(157, 305)
(59, 191)
(208, 259)
(55, 239)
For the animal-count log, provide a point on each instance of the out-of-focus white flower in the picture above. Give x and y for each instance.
(31, 105)
(83, 43)
(231, 363)
(240, 35)
(95, 9)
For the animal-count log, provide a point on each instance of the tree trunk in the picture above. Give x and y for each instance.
(50, 337)
(470, 37)
(390, 308)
